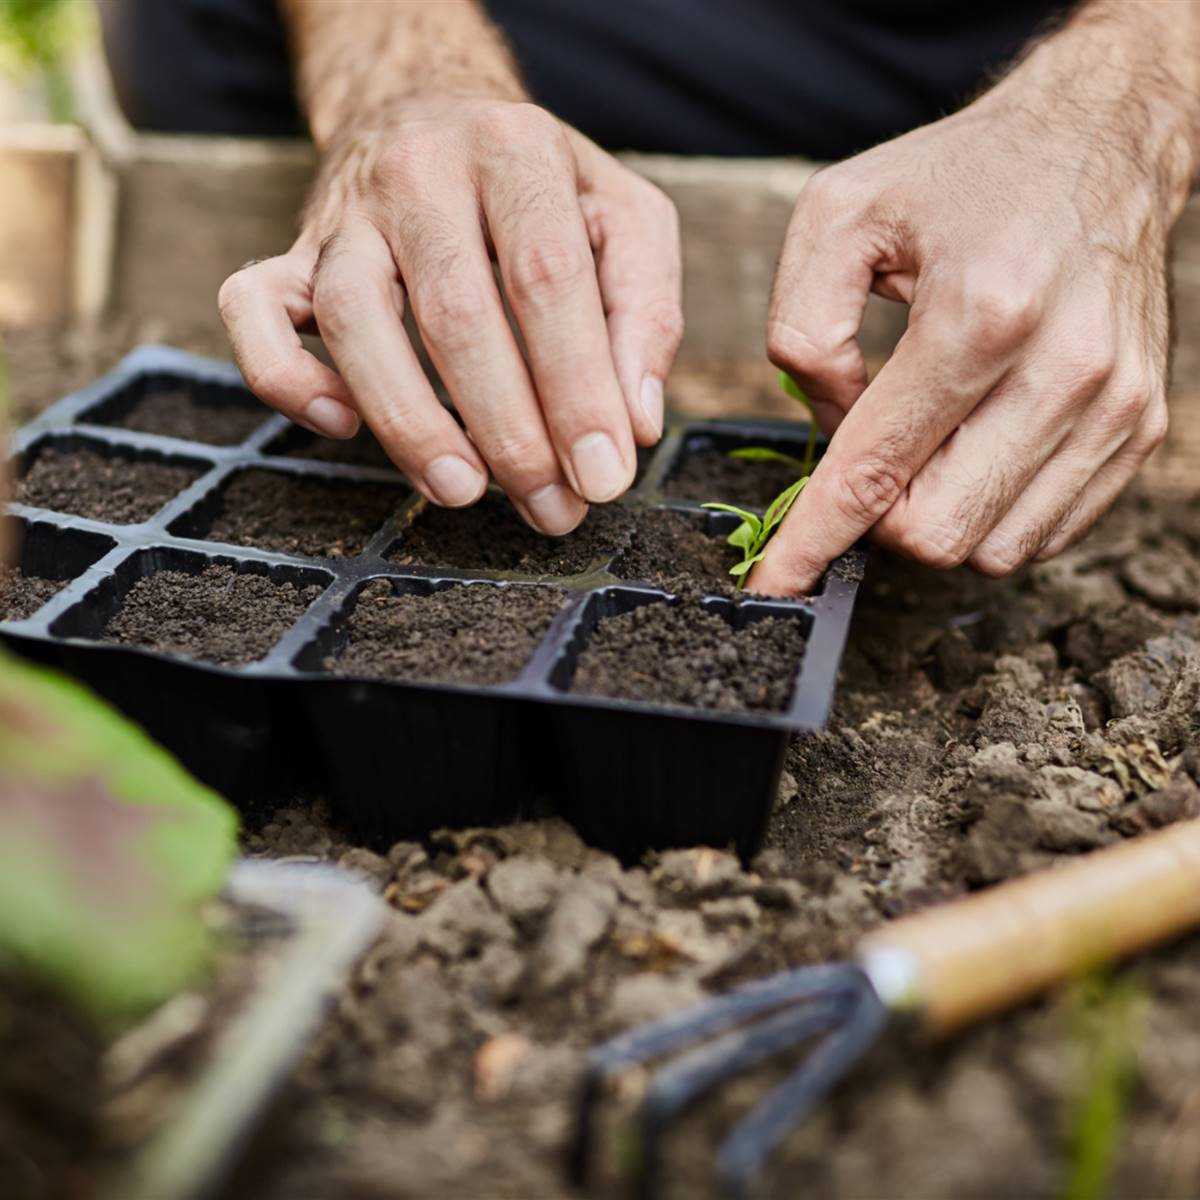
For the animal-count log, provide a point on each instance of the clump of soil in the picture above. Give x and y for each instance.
(711, 474)
(477, 633)
(116, 488)
(492, 537)
(297, 515)
(362, 450)
(22, 595)
(180, 414)
(682, 654)
(219, 615)
(673, 549)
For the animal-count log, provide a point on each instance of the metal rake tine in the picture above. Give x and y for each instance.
(758, 1134)
(681, 1029)
(680, 1082)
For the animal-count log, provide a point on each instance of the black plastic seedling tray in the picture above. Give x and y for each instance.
(401, 758)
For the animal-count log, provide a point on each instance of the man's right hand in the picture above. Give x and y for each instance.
(410, 208)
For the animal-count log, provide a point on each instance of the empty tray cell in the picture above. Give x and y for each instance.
(478, 633)
(490, 536)
(716, 655)
(362, 450)
(214, 610)
(105, 483)
(676, 550)
(293, 514)
(179, 407)
(704, 470)
(47, 559)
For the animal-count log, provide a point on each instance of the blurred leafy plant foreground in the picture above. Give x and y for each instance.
(108, 849)
(37, 38)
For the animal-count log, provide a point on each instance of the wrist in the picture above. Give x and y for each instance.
(1120, 87)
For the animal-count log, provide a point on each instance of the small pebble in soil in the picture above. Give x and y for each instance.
(22, 595)
(681, 654)
(668, 547)
(218, 615)
(362, 450)
(477, 633)
(115, 488)
(710, 474)
(492, 537)
(297, 515)
(180, 414)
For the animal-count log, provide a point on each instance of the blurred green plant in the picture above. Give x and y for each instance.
(107, 849)
(37, 38)
(1105, 1017)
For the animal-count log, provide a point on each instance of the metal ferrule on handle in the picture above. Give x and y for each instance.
(957, 963)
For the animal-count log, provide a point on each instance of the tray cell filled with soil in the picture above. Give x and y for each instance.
(362, 450)
(174, 406)
(102, 482)
(47, 558)
(293, 513)
(676, 720)
(711, 655)
(675, 550)
(225, 612)
(404, 752)
(703, 470)
(478, 633)
(491, 536)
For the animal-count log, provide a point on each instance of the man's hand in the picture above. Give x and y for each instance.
(1029, 234)
(415, 199)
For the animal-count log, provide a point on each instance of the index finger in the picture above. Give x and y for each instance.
(935, 378)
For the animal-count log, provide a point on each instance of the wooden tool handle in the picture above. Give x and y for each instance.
(996, 948)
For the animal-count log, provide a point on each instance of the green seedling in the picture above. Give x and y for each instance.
(752, 535)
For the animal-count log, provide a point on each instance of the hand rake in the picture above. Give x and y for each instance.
(943, 968)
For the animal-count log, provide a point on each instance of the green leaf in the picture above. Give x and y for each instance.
(792, 388)
(778, 507)
(108, 848)
(743, 568)
(743, 537)
(765, 454)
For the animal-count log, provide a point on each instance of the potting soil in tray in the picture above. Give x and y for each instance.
(469, 633)
(117, 488)
(216, 616)
(682, 654)
(362, 450)
(492, 537)
(710, 474)
(608, 673)
(22, 595)
(268, 510)
(177, 413)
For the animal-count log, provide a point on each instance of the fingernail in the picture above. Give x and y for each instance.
(598, 467)
(555, 509)
(332, 418)
(453, 481)
(651, 399)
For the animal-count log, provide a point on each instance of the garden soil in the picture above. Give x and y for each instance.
(983, 729)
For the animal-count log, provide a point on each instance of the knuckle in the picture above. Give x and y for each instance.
(933, 544)
(665, 321)
(337, 300)
(234, 292)
(524, 122)
(273, 381)
(1127, 405)
(450, 309)
(999, 555)
(545, 269)
(867, 489)
(519, 455)
(1155, 426)
(1093, 370)
(820, 355)
(998, 318)
(403, 164)
(823, 190)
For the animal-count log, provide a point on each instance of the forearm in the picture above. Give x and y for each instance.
(355, 60)
(1124, 74)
